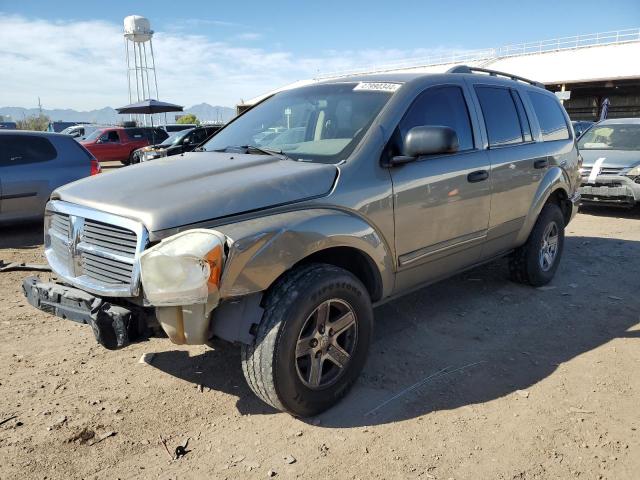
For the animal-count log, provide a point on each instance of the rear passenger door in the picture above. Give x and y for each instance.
(441, 202)
(25, 162)
(517, 163)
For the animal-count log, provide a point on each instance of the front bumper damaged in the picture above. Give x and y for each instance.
(114, 326)
(612, 190)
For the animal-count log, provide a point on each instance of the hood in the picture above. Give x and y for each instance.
(613, 158)
(199, 186)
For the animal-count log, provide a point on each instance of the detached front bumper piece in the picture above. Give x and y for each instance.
(114, 326)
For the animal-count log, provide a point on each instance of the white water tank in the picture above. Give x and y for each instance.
(137, 28)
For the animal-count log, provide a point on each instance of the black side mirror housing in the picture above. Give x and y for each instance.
(427, 140)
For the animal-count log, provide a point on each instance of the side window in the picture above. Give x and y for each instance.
(500, 116)
(524, 120)
(135, 133)
(550, 117)
(159, 135)
(113, 137)
(444, 106)
(21, 149)
(199, 136)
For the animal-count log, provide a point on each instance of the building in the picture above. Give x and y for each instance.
(587, 68)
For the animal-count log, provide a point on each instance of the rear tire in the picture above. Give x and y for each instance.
(312, 342)
(535, 263)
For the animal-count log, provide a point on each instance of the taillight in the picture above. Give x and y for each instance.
(95, 167)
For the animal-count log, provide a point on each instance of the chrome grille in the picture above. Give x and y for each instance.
(586, 171)
(111, 238)
(94, 250)
(106, 270)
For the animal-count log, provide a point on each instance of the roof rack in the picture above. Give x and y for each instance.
(493, 73)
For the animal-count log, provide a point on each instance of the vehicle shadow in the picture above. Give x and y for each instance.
(613, 212)
(21, 235)
(468, 340)
(217, 369)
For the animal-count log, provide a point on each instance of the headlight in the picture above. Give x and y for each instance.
(153, 154)
(634, 172)
(183, 269)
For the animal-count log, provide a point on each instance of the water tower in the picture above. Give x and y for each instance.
(141, 66)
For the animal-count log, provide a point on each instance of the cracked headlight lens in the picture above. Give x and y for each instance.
(183, 269)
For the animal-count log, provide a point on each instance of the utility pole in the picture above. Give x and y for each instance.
(39, 107)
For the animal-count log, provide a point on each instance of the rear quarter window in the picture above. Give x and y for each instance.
(24, 149)
(550, 117)
(74, 150)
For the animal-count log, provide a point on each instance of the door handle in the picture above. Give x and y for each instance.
(477, 176)
(541, 163)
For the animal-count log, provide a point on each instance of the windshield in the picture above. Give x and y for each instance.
(93, 135)
(321, 123)
(176, 137)
(611, 137)
(69, 130)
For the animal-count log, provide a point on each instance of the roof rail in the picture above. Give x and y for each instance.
(493, 73)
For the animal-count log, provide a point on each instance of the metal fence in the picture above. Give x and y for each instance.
(491, 54)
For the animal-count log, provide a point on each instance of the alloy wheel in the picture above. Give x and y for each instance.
(326, 343)
(549, 248)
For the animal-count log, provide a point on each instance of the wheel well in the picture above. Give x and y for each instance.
(354, 261)
(560, 198)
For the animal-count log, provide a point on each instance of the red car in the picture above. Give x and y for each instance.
(119, 143)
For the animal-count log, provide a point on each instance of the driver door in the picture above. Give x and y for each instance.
(441, 202)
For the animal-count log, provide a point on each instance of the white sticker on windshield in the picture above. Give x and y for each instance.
(377, 87)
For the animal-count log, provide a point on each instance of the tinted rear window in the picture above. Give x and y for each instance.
(550, 117)
(500, 116)
(22, 149)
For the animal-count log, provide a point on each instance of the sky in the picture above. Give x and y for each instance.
(71, 53)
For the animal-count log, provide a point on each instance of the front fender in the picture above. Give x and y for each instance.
(262, 249)
(554, 179)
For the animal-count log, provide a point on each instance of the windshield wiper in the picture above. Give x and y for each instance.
(255, 148)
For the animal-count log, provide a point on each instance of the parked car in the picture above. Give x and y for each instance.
(119, 143)
(611, 162)
(581, 126)
(32, 165)
(389, 182)
(177, 143)
(8, 125)
(177, 127)
(81, 131)
(58, 126)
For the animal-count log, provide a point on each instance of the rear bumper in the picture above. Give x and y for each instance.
(114, 326)
(611, 189)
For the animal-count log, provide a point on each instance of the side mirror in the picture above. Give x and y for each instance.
(427, 140)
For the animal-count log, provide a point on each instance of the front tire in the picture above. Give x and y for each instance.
(312, 342)
(535, 263)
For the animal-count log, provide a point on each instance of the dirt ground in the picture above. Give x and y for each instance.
(472, 378)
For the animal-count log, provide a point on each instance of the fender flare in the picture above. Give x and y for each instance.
(261, 250)
(555, 179)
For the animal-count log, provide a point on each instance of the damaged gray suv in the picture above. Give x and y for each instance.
(284, 230)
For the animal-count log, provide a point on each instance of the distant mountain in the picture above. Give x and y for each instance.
(108, 115)
(204, 111)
